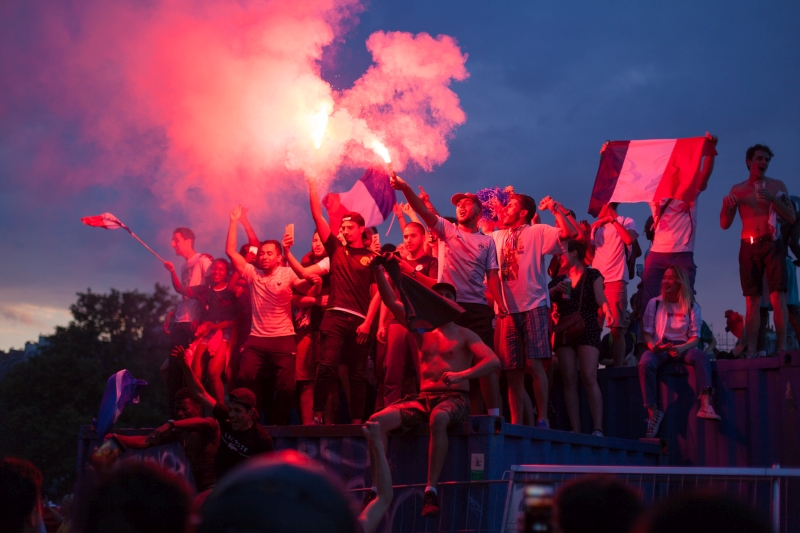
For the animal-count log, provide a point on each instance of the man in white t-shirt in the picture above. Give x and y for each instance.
(523, 335)
(467, 258)
(189, 310)
(270, 349)
(613, 237)
(675, 227)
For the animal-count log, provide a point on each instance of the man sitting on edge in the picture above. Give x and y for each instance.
(446, 357)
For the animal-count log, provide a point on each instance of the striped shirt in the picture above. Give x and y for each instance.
(271, 295)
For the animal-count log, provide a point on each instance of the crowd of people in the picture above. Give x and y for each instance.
(422, 332)
(287, 492)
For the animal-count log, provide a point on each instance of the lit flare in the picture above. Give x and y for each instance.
(319, 124)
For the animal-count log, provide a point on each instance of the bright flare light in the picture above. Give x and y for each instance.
(319, 123)
(379, 148)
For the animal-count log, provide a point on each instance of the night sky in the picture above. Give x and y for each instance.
(549, 83)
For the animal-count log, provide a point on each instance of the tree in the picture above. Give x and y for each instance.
(45, 399)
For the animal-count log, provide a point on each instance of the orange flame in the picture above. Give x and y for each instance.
(319, 124)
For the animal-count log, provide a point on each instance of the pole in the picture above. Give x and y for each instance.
(391, 223)
(145, 245)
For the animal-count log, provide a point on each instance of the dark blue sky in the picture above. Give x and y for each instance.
(549, 83)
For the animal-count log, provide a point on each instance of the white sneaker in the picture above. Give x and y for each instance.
(654, 423)
(708, 413)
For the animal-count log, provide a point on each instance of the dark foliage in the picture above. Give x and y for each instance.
(45, 399)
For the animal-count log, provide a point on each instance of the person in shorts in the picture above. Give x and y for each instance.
(613, 237)
(443, 400)
(522, 338)
(760, 200)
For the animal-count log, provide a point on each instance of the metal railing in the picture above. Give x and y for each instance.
(771, 490)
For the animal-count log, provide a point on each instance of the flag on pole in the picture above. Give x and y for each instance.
(105, 221)
(372, 197)
(649, 170)
(109, 221)
(121, 389)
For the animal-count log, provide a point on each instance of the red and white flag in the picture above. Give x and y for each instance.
(106, 221)
(649, 170)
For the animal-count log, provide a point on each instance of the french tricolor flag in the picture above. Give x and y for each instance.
(647, 171)
(372, 197)
(121, 389)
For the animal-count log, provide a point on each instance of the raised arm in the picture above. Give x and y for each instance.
(323, 228)
(484, 361)
(414, 201)
(568, 228)
(248, 228)
(299, 269)
(401, 219)
(708, 164)
(239, 264)
(426, 199)
(626, 235)
(194, 385)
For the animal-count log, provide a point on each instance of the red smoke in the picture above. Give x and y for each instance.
(212, 103)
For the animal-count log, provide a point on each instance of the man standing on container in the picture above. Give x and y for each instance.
(760, 200)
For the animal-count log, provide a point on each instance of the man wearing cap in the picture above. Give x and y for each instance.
(466, 257)
(449, 357)
(241, 436)
(523, 335)
(346, 324)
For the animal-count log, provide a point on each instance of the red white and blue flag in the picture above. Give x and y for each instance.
(121, 389)
(649, 170)
(372, 197)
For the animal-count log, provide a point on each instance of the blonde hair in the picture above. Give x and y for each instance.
(685, 295)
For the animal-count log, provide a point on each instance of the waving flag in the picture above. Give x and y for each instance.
(647, 171)
(371, 197)
(122, 389)
(105, 221)
(109, 221)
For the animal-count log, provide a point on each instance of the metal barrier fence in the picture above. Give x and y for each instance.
(495, 506)
(774, 491)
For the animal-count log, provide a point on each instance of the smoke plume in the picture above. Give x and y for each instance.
(208, 104)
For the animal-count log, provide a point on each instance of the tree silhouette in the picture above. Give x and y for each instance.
(45, 398)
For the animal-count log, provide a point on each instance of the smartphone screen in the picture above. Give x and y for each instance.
(537, 506)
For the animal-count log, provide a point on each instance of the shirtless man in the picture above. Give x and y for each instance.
(760, 200)
(446, 358)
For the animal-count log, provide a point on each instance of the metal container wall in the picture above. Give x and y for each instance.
(756, 398)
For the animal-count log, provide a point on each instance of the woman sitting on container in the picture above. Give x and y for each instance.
(672, 324)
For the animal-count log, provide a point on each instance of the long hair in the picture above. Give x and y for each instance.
(311, 259)
(685, 296)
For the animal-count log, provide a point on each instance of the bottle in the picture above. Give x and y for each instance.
(568, 290)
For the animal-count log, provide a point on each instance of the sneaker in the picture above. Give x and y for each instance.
(708, 413)
(597, 433)
(430, 504)
(317, 421)
(369, 496)
(653, 424)
(542, 424)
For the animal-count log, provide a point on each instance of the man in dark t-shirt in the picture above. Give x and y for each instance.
(241, 436)
(353, 304)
